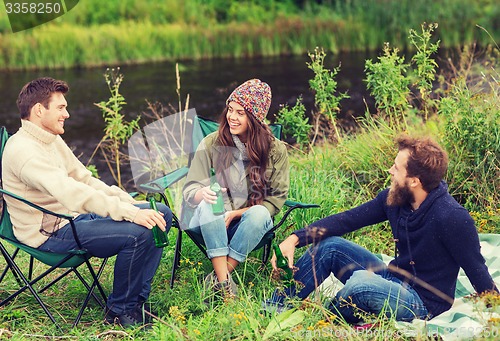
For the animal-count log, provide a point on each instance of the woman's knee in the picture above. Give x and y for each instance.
(259, 215)
(204, 209)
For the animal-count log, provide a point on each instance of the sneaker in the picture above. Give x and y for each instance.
(234, 287)
(224, 290)
(209, 282)
(127, 319)
(272, 307)
(276, 304)
(213, 289)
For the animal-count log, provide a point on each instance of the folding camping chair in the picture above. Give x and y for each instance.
(69, 261)
(199, 128)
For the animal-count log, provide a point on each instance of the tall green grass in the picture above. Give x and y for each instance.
(337, 177)
(120, 32)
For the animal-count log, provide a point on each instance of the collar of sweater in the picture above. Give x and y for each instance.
(37, 132)
(413, 219)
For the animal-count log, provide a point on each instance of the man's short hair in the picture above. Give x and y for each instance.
(427, 160)
(38, 91)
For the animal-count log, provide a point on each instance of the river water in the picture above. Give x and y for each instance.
(208, 83)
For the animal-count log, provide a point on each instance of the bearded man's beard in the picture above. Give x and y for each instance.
(400, 195)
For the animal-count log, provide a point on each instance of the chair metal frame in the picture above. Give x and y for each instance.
(69, 261)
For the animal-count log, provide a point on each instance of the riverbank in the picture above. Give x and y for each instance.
(85, 37)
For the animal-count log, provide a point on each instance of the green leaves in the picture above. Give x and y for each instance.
(295, 123)
(117, 130)
(324, 86)
(389, 85)
(283, 321)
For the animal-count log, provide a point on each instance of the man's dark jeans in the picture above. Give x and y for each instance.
(137, 257)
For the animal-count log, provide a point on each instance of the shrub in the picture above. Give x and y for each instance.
(295, 123)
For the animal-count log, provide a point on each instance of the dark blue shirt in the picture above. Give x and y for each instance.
(432, 242)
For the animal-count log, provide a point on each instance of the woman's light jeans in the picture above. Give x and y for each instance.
(239, 239)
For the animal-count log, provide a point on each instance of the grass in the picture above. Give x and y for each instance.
(337, 177)
(325, 176)
(124, 32)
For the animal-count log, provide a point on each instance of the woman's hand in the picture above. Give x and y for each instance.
(287, 248)
(207, 195)
(229, 216)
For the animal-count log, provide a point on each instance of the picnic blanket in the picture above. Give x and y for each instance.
(467, 318)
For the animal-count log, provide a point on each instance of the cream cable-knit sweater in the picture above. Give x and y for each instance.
(40, 167)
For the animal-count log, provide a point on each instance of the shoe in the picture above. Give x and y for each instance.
(209, 281)
(224, 290)
(276, 304)
(234, 287)
(272, 307)
(213, 289)
(127, 319)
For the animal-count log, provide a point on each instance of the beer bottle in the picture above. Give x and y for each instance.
(218, 207)
(282, 263)
(159, 236)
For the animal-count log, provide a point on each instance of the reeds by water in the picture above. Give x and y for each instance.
(86, 37)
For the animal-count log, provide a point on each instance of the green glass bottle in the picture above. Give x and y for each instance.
(282, 263)
(159, 236)
(218, 207)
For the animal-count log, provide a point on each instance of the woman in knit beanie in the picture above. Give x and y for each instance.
(252, 167)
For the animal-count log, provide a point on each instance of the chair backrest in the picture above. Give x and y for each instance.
(6, 230)
(5, 223)
(201, 128)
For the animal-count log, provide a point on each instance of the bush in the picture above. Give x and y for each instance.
(295, 123)
(472, 137)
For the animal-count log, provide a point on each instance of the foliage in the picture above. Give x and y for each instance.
(128, 31)
(324, 86)
(389, 80)
(472, 137)
(295, 123)
(425, 66)
(117, 130)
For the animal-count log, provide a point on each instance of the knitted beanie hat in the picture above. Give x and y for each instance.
(255, 96)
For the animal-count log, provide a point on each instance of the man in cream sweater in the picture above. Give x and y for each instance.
(38, 165)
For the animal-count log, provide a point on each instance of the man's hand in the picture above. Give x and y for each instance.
(149, 218)
(287, 248)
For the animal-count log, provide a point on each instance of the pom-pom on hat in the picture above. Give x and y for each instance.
(255, 96)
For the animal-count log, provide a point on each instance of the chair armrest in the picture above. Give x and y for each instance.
(292, 205)
(44, 210)
(160, 184)
(298, 204)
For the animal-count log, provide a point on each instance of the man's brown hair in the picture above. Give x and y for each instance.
(38, 91)
(427, 160)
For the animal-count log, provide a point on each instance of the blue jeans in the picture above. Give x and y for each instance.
(239, 239)
(368, 285)
(137, 256)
